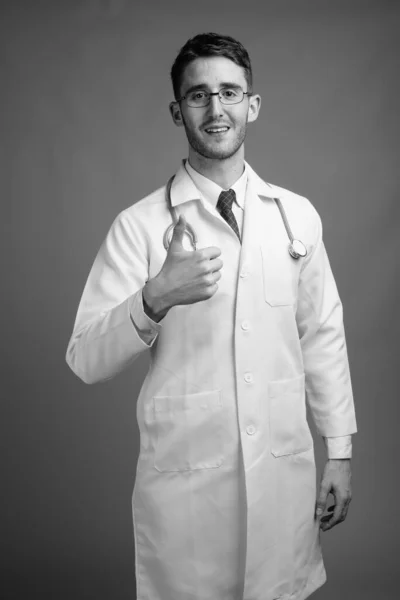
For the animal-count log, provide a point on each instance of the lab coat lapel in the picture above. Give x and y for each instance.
(184, 190)
(265, 243)
(262, 222)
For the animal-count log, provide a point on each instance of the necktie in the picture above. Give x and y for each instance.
(224, 206)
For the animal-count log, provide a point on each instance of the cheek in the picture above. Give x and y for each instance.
(192, 122)
(239, 118)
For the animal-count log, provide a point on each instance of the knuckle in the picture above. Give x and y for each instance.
(211, 290)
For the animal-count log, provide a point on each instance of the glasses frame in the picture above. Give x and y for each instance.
(215, 94)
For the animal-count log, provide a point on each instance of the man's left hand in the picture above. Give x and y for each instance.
(336, 479)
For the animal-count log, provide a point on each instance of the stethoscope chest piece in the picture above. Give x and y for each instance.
(297, 249)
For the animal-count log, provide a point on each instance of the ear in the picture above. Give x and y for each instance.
(176, 114)
(254, 107)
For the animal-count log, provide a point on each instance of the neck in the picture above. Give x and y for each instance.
(223, 172)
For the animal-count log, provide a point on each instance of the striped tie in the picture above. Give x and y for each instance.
(224, 206)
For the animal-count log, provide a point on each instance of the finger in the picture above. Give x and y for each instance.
(216, 264)
(322, 500)
(346, 508)
(178, 233)
(327, 517)
(210, 252)
(336, 517)
(217, 276)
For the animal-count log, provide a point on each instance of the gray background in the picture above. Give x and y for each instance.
(85, 132)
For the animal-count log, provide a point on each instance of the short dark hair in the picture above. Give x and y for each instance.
(210, 44)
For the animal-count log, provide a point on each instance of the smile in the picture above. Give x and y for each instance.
(216, 129)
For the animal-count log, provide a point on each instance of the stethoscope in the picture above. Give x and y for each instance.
(296, 248)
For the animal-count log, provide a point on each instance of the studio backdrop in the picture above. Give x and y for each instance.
(85, 133)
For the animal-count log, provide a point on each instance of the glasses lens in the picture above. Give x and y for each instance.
(231, 96)
(198, 99)
(201, 98)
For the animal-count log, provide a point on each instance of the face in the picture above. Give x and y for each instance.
(201, 124)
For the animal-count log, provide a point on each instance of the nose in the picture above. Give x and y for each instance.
(215, 107)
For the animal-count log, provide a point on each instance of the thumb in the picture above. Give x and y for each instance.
(322, 500)
(178, 233)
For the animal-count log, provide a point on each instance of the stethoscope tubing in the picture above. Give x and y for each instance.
(168, 232)
(296, 247)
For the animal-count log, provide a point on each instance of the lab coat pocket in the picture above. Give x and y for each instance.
(188, 432)
(277, 272)
(289, 430)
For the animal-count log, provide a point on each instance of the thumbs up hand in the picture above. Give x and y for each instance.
(186, 276)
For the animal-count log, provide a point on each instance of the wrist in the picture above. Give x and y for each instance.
(153, 303)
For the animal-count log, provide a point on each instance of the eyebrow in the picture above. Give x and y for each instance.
(203, 86)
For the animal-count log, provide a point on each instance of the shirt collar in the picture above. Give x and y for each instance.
(184, 189)
(211, 190)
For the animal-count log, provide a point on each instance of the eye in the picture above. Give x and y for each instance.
(199, 95)
(230, 93)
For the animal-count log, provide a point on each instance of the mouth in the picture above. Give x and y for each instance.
(216, 130)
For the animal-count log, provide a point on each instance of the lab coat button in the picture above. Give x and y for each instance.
(243, 273)
(250, 429)
(248, 377)
(245, 325)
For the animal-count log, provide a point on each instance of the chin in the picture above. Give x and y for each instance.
(220, 154)
(216, 152)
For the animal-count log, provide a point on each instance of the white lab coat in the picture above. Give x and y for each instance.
(225, 489)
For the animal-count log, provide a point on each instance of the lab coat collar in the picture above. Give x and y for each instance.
(183, 188)
(261, 187)
(210, 190)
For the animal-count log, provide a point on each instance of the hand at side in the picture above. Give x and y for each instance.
(336, 480)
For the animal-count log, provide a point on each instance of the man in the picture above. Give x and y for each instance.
(241, 333)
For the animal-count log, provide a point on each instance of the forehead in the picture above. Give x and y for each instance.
(212, 71)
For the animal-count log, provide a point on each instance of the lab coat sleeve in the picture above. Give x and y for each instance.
(146, 327)
(319, 318)
(338, 447)
(105, 338)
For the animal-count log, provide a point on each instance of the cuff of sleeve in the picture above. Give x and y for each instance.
(146, 327)
(338, 447)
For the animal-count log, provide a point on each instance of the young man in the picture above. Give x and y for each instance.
(241, 333)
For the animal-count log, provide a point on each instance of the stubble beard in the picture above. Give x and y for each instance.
(215, 153)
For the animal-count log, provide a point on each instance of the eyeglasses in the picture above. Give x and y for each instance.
(200, 98)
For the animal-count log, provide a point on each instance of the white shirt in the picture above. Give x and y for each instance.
(210, 192)
(336, 447)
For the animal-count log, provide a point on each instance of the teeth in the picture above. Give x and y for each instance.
(218, 130)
